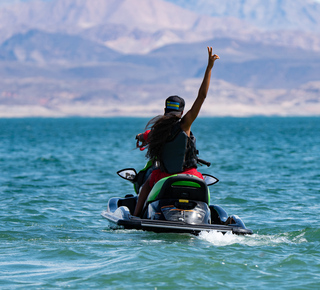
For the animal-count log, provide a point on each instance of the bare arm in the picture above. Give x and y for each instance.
(192, 114)
(145, 190)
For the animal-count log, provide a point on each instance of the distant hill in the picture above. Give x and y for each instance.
(267, 14)
(245, 63)
(42, 47)
(60, 56)
(157, 23)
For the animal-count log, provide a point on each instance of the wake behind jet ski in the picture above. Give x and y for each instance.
(179, 203)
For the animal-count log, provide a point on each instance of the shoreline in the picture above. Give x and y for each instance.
(209, 110)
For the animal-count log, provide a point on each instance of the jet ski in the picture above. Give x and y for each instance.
(179, 203)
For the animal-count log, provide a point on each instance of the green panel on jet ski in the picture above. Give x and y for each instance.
(157, 187)
(186, 183)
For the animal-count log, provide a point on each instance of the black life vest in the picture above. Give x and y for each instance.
(179, 151)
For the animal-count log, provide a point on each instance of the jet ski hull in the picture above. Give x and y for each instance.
(178, 203)
(122, 218)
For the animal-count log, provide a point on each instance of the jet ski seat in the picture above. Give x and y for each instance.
(184, 186)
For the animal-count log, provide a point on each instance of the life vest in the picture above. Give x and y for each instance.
(179, 151)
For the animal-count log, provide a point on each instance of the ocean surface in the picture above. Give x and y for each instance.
(56, 176)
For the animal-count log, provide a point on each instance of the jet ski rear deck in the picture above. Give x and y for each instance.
(119, 212)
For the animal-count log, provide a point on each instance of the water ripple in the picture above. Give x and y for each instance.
(58, 174)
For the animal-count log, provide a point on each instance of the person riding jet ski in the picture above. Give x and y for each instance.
(170, 142)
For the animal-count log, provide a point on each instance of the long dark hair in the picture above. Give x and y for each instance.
(161, 128)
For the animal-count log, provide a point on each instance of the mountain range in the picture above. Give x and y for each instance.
(62, 57)
(266, 14)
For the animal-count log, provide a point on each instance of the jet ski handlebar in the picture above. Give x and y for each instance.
(201, 161)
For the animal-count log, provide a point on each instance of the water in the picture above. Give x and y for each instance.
(58, 174)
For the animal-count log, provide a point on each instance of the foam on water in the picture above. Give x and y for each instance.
(219, 239)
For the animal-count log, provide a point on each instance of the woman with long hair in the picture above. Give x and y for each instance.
(170, 141)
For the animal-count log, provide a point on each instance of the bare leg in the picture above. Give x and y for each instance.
(142, 197)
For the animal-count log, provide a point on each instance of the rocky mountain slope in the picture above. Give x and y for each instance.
(302, 15)
(62, 57)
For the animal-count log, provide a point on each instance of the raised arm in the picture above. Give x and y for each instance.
(192, 114)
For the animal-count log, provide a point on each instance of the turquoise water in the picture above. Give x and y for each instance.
(56, 176)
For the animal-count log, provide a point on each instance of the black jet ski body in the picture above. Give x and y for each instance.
(179, 203)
